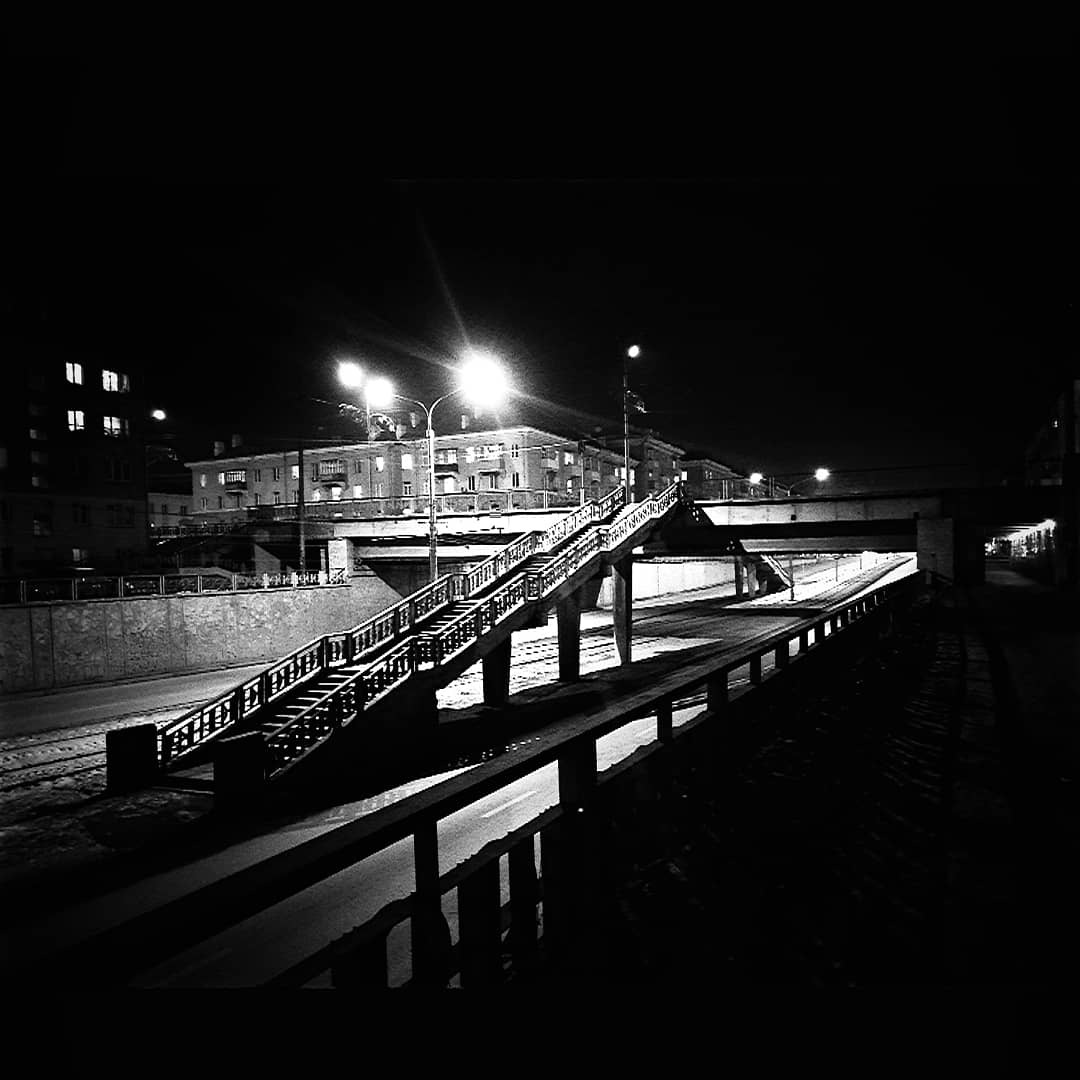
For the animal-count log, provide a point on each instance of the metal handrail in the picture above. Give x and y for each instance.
(398, 622)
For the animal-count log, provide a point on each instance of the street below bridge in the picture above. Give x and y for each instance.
(261, 947)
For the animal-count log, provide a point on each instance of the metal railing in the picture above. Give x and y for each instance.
(360, 956)
(432, 650)
(53, 590)
(351, 646)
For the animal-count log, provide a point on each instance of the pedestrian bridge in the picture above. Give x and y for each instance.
(387, 670)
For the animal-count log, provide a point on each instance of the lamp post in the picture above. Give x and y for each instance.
(482, 381)
(820, 475)
(631, 354)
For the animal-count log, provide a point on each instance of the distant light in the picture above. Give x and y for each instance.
(379, 392)
(482, 379)
(158, 414)
(1048, 525)
(756, 478)
(821, 475)
(350, 374)
(633, 352)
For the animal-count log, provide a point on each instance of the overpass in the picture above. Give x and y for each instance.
(947, 528)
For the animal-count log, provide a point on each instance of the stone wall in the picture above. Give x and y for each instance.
(43, 646)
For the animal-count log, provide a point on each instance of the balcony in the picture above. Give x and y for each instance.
(236, 485)
(333, 476)
(549, 463)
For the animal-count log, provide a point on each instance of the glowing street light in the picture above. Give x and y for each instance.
(756, 478)
(481, 381)
(821, 475)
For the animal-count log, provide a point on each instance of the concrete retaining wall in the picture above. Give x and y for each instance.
(658, 577)
(43, 646)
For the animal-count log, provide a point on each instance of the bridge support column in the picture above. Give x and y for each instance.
(496, 667)
(568, 616)
(622, 581)
(131, 757)
(751, 579)
(738, 577)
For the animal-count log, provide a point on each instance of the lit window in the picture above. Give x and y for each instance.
(380, 464)
(39, 435)
(470, 454)
(407, 461)
(333, 467)
(357, 491)
(115, 426)
(296, 472)
(569, 486)
(335, 493)
(76, 420)
(80, 555)
(568, 459)
(449, 485)
(202, 479)
(682, 474)
(114, 381)
(38, 481)
(74, 373)
(406, 487)
(318, 495)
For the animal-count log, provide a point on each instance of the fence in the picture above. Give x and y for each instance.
(560, 892)
(43, 590)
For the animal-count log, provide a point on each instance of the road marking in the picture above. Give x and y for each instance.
(505, 806)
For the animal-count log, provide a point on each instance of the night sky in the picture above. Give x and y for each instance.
(866, 268)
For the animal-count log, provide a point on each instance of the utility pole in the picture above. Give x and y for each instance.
(300, 511)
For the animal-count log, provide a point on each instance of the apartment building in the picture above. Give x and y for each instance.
(518, 467)
(72, 465)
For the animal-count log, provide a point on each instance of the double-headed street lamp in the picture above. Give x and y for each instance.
(481, 380)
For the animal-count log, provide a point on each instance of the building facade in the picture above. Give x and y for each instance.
(72, 466)
(520, 467)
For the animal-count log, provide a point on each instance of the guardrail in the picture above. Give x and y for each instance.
(359, 958)
(394, 624)
(50, 590)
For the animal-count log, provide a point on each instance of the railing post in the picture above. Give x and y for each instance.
(431, 942)
(804, 641)
(663, 722)
(524, 896)
(755, 670)
(716, 692)
(783, 654)
(479, 918)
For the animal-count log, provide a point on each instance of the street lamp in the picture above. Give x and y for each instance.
(820, 475)
(631, 354)
(482, 381)
(350, 374)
